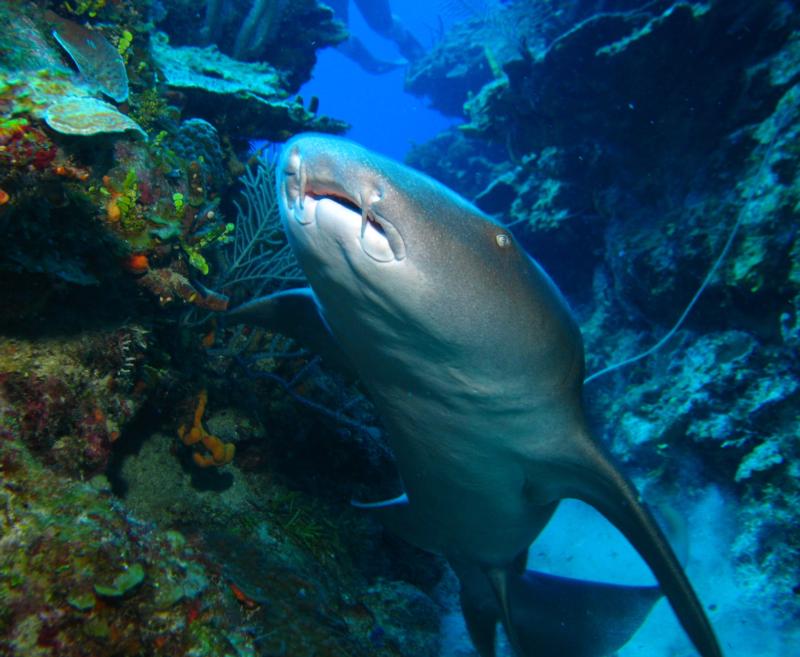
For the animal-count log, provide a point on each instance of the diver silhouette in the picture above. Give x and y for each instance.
(378, 15)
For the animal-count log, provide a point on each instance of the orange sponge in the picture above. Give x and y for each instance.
(219, 452)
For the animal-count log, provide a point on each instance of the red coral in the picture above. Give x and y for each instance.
(58, 423)
(44, 406)
(26, 147)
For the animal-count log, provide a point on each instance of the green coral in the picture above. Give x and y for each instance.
(12, 125)
(88, 7)
(82, 601)
(196, 259)
(130, 220)
(125, 41)
(193, 251)
(149, 108)
(123, 583)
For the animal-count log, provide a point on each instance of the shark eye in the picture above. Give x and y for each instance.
(503, 240)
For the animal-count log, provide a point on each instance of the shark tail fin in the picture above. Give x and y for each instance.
(550, 616)
(603, 487)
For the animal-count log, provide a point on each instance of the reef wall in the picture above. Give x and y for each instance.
(627, 144)
(162, 490)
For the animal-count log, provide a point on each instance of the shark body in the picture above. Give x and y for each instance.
(475, 365)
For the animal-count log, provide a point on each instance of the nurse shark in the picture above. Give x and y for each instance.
(475, 366)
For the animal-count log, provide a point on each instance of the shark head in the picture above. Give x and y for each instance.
(393, 255)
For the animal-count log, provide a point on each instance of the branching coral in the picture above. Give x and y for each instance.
(219, 452)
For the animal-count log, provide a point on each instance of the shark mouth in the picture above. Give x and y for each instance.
(378, 238)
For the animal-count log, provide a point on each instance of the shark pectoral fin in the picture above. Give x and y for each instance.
(598, 483)
(550, 616)
(556, 616)
(400, 517)
(295, 314)
(400, 500)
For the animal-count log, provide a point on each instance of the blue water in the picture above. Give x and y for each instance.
(383, 117)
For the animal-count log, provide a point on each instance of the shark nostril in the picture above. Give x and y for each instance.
(375, 243)
(376, 226)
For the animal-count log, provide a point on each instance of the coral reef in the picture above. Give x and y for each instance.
(133, 180)
(70, 396)
(285, 34)
(118, 159)
(105, 583)
(624, 164)
(250, 95)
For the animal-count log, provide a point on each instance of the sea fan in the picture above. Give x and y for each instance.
(260, 259)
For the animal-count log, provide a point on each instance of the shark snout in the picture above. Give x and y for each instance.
(292, 182)
(333, 191)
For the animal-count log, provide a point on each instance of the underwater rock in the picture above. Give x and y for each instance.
(190, 67)
(398, 607)
(250, 95)
(710, 373)
(233, 426)
(472, 53)
(70, 398)
(462, 163)
(186, 497)
(617, 114)
(449, 73)
(64, 541)
(597, 81)
(722, 404)
(291, 560)
(284, 34)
